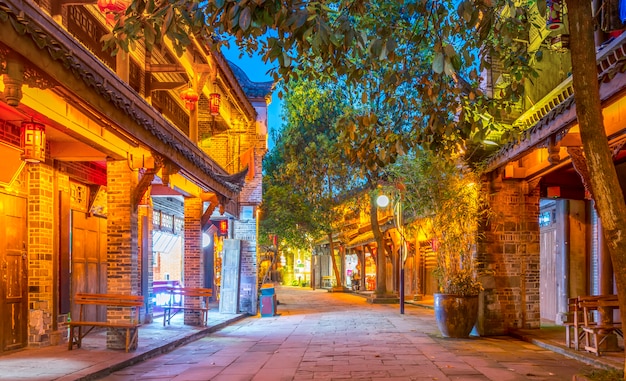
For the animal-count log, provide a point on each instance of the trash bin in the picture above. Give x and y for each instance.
(268, 301)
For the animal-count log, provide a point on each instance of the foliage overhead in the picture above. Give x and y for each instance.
(419, 58)
(306, 166)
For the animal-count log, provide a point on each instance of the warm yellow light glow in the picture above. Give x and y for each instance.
(382, 201)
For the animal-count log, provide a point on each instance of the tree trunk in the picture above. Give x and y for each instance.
(381, 258)
(606, 190)
(332, 258)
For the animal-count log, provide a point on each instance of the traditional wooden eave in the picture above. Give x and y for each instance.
(554, 126)
(234, 87)
(35, 36)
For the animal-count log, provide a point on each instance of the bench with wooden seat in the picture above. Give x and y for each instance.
(596, 332)
(177, 302)
(79, 328)
(574, 324)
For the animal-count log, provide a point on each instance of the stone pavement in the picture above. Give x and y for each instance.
(335, 336)
(316, 336)
(94, 360)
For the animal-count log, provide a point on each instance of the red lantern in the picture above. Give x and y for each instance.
(223, 227)
(33, 140)
(554, 14)
(110, 8)
(214, 103)
(190, 97)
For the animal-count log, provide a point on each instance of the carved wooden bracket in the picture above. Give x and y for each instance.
(142, 186)
(617, 148)
(146, 180)
(16, 73)
(580, 165)
(554, 149)
(213, 202)
(13, 80)
(169, 169)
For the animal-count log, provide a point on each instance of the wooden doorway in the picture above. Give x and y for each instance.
(13, 274)
(89, 259)
(548, 266)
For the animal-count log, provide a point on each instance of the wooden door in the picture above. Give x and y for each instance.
(229, 292)
(89, 259)
(13, 273)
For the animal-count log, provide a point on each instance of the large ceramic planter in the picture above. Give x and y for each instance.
(456, 315)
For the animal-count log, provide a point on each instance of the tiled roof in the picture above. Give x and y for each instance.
(252, 89)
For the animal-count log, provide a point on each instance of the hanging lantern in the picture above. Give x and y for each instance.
(223, 227)
(111, 8)
(554, 14)
(214, 104)
(33, 142)
(190, 97)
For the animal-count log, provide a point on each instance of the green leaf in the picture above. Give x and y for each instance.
(245, 17)
(439, 63)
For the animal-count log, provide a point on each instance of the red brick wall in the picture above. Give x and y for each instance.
(122, 229)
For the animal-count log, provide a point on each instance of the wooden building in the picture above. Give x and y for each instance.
(100, 152)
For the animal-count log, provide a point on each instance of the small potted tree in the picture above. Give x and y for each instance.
(445, 197)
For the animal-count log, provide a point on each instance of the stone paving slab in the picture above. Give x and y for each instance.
(316, 336)
(94, 360)
(339, 336)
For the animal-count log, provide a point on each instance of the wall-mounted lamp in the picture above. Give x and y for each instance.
(33, 140)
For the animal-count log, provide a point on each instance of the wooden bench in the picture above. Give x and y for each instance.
(177, 302)
(574, 324)
(596, 332)
(133, 303)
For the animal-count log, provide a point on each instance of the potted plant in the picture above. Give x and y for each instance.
(445, 198)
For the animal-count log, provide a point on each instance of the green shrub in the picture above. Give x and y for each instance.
(604, 375)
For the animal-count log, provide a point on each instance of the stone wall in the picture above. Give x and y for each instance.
(509, 254)
(41, 263)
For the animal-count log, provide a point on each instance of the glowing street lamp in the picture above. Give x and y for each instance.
(383, 201)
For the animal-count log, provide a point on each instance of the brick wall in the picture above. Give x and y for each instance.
(122, 241)
(509, 253)
(40, 253)
(246, 232)
(193, 272)
(252, 192)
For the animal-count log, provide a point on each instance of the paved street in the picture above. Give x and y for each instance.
(333, 336)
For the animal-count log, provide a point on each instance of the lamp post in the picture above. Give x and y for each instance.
(383, 201)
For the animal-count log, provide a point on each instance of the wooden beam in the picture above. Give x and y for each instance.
(142, 187)
(164, 68)
(571, 139)
(165, 85)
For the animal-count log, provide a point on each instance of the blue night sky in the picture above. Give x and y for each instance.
(256, 70)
